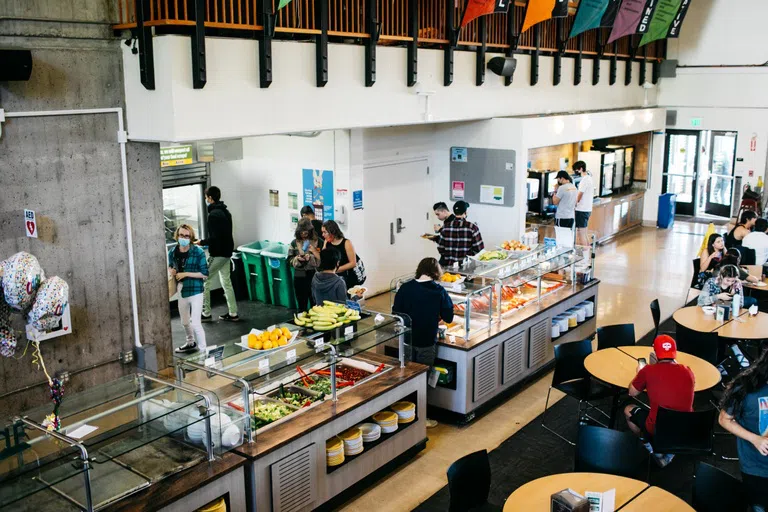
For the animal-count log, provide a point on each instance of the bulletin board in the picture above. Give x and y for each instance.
(483, 176)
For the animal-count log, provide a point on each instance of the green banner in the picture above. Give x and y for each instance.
(665, 12)
(282, 4)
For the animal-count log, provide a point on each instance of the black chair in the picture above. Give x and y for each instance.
(574, 380)
(620, 335)
(715, 490)
(694, 279)
(748, 255)
(601, 450)
(704, 345)
(656, 314)
(684, 433)
(469, 483)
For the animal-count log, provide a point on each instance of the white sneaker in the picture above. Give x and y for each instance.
(431, 423)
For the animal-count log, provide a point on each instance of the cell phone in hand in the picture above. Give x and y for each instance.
(306, 245)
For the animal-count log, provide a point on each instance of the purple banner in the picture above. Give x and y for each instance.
(633, 17)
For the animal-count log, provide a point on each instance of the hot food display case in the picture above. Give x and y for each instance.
(115, 442)
(301, 395)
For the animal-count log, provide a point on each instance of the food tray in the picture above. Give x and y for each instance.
(476, 257)
(264, 400)
(243, 343)
(275, 395)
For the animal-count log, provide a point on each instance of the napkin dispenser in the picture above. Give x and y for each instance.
(569, 500)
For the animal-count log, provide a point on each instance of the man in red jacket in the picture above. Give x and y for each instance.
(668, 384)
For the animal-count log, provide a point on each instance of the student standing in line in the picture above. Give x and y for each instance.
(758, 240)
(565, 198)
(735, 237)
(220, 245)
(304, 257)
(668, 384)
(187, 264)
(744, 413)
(459, 238)
(446, 217)
(334, 239)
(307, 212)
(424, 302)
(327, 284)
(583, 202)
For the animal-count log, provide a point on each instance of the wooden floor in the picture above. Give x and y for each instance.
(638, 267)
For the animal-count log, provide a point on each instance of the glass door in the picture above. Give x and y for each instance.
(680, 164)
(722, 156)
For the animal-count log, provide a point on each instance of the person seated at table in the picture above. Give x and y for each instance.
(722, 287)
(733, 257)
(758, 241)
(743, 412)
(711, 256)
(668, 384)
(735, 237)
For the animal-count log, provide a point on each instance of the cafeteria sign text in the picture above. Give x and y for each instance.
(172, 156)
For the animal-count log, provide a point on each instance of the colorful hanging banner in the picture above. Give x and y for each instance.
(662, 18)
(589, 14)
(674, 28)
(477, 8)
(282, 4)
(542, 10)
(610, 14)
(633, 17)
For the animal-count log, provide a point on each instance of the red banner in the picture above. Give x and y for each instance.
(477, 8)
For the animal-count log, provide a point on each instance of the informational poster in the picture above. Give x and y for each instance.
(274, 198)
(318, 192)
(492, 194)
(457, 190)
(459, 155)
(357, 199)
(172, 156)
(30, 223)
(293, 201)
(294, 220)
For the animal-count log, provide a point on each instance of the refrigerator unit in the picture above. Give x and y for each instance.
(612, 168)
(540, 185)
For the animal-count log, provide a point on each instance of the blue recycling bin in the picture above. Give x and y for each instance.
(666, 215)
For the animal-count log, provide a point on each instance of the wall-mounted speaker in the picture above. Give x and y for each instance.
(503, 66)
(15, 65)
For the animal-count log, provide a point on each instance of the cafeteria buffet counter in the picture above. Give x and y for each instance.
(514, 313)
(611, 216)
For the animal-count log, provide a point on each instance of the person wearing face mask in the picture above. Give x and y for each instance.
(186, 262)
(220, 246)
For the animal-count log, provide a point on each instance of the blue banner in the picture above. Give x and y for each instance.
(318, 192)
(588, 16)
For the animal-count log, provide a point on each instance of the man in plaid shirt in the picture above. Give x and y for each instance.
(459, 238)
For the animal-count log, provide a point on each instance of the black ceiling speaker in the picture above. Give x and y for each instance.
(15, 65)
(503, 66)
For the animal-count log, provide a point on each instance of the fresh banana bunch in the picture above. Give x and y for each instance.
(326, 317)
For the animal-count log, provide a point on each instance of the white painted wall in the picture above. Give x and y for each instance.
(233, 105)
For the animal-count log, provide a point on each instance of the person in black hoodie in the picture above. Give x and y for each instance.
(327, 285)
(220, 246)
(425, 302)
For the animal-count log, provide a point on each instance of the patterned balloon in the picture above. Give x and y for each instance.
(52, 298)
(21, 278)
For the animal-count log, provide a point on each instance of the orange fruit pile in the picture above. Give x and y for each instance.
(267, 340)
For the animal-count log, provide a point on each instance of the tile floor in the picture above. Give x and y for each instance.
(636, 268)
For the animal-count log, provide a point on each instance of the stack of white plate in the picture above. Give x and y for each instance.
(555, 330)
(371, 432)
(353, 441)
(589, 307)
(387, 420)
(334, 451)
(406, 411)
(562, 322)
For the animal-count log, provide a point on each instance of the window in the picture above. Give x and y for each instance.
(183, 205)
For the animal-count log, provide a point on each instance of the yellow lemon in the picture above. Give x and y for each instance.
(252, 338)
(258, 345)
(286, 332)
(267, 345)
(282, 341)
(273, 336)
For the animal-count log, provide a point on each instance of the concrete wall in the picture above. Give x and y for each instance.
(68, 170)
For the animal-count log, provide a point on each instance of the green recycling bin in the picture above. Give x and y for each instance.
(280, 274)
(256, 277)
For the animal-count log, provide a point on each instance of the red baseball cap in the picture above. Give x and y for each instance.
(665, 347)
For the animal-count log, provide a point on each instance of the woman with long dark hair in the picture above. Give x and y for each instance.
(744, 413)
(304, 257)
(334, 238)
(712, 255)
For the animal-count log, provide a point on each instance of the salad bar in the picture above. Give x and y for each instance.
(508, 315)
(302, 393)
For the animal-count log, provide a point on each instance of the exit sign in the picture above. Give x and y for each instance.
(695, 122)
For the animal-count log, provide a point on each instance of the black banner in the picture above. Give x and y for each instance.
(560, 10)
(674, 28)
(610, 14)
(646, 16)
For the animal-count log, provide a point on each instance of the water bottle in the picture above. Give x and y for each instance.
(736, 305)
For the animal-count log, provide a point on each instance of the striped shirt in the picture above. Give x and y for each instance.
(458, 239)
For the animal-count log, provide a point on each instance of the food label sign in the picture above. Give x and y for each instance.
(30, 223)
(172, 156)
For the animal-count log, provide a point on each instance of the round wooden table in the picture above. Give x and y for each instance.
(618, 366)
(536, 496)
(657, 500)
(745, 327)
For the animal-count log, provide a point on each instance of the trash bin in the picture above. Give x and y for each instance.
(279, 274)
(666, 215)
(255, 271)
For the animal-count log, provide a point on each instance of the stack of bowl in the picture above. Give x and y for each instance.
(334, 451)
(371, 432)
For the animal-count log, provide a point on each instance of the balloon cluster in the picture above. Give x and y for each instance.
(26, 290)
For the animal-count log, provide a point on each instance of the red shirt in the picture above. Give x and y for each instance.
(669, 385)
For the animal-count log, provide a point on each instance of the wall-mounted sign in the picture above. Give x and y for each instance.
(357, 199)
(172, 156)
(293, 201)
(274, 198)
(696, 122)
(491, 194)
(319, 192)
(30, 223)
(459, 155)
(457, 190)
